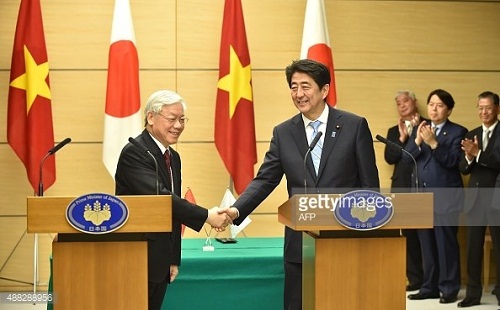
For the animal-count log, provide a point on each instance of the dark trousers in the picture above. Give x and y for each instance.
(475, 244)
(414, 269)
(156, 293)
(293, 286)
(441, 260)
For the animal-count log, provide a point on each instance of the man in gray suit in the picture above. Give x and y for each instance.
(345, 154)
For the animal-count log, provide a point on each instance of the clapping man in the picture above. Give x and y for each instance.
(479, 162)
(401, 179)
(437, 150)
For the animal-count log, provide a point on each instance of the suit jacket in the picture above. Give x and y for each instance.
(347, 161)
(136, 175)
(438, 169)
(483, 171)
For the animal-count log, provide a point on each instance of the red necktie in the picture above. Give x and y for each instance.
(169, 168)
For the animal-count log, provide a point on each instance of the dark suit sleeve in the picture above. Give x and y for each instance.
(136, 175)
(391, 155)
(368, 172)
(449, 155)
(268, 177)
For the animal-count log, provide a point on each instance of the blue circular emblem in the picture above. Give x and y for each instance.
(363, 210)
(97, 213)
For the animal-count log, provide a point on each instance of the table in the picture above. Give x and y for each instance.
(243, 275)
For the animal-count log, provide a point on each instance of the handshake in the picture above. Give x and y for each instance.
(220, 218)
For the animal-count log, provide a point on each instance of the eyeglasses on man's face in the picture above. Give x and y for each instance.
(172, 120)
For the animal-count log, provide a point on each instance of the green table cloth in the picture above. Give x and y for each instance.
(243, 275)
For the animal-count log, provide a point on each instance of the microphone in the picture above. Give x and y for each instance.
(315, 141)
(311, 147)
(59, 146)
(140, 147)
(52, 151)
(400, 149)
(389, 143)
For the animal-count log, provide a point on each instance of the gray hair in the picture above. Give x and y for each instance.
(159, 99)
(407, 92)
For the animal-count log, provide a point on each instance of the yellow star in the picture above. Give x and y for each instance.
(33, 80)
(237, 83)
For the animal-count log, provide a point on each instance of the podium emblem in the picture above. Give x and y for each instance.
(97, 213)
(363, 210)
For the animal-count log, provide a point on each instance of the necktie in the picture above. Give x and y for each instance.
(486, 138)
(316, 152)
(436, 130)
(169, 168)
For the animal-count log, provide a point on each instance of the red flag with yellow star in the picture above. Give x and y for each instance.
(234, 117)
(29, 117)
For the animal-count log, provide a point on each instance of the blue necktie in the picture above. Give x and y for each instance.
(316, 152)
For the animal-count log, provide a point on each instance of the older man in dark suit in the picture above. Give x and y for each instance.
(437, 150)
(401, 179)
(345, 159)
(479, 162)
(137, 174)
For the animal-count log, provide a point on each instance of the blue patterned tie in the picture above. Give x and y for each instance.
(316, 152)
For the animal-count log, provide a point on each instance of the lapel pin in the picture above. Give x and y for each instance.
(333, 134)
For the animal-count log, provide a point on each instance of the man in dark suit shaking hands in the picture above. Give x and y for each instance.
(136, 174)
(344, 153)
(480, 163)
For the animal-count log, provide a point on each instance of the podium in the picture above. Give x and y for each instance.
(106, 271)
(351, 269)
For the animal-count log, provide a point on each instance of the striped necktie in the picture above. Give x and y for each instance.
(316, 152)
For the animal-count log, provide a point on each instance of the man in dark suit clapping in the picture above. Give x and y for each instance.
(480, 163)
(437, 150)
(409, 119)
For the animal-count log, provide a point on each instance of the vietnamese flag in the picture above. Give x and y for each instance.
(29, 118)
(316, 43)
(234, 116)
(122, 117)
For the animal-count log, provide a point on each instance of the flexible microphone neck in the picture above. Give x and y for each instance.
(305, 170)
(138, 145)
(309, 149)
(401, 149)
(52, 151)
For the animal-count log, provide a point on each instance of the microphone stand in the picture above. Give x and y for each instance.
(305, 170)
(40, 194)
(35, 246)
(309, 149)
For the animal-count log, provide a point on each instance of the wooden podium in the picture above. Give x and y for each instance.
(107, 271)
(350, 269)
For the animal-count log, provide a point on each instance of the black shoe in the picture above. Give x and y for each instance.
(447, 299)
(421, 296)
(412, 287)
(469, 302)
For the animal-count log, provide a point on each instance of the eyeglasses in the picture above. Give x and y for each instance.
(487, 108)
(172, 120)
